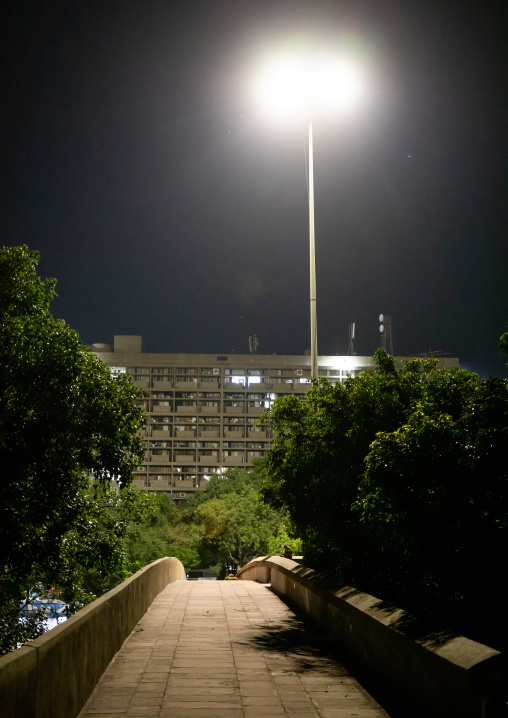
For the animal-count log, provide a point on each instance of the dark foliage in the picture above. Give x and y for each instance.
(397, 482)
(63, 419)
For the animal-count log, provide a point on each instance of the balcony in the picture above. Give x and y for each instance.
(184, 484)
(185, 458)
(208, 433)
(256, 435)
(233, 461)
(229, 434)
(162, 385)
(208, 385)
(260, 386)
(187, 385)
(188, 434)
(164, 458)
(235, 410)
(209, 460)
(256, 410)
(232, 387)
(159, 484)
(140, 380)
(209, 410)
(186, 410)
(162, 409)
(284, 387)
(161, 434)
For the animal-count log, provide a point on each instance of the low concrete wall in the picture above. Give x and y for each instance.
(53, 676)
(257, 570)
(415, 670)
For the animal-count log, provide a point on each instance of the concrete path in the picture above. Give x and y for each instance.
(226, 649)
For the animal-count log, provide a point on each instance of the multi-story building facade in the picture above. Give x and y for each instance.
(205, 409)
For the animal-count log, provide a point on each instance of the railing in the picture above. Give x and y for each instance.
(53, 676)
(414, 670)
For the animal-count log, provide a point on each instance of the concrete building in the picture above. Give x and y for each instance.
(205, 409)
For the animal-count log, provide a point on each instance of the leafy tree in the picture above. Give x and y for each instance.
(397, 482)
(63, 419)
(316, 459)
(236, 525)
(168, 532)
(227, 523)
(503, 343)
(434, 499)
(284, 537)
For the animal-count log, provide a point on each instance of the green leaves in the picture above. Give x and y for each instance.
(234, 522)
(503, 343)
(22, 292)
(397, 481)
(63, 419)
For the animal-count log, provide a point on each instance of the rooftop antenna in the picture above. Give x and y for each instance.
(351, 350)
(253, 344)
(385, 328)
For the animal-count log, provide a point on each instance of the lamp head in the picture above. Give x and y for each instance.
(303, 86)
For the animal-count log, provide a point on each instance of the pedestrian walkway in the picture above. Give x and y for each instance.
(226, 649)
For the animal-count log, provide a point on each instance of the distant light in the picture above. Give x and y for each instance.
(238, 380)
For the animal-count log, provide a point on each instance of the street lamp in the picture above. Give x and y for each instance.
(301, 87)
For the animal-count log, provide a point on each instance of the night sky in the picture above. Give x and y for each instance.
(138, 163)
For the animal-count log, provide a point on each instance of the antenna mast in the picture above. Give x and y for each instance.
(253, 344)
(351, 350)
(385, 328)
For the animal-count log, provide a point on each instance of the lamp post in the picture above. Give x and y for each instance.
(295, 86)
(312, 264)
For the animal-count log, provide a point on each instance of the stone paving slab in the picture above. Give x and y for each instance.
(226, 649)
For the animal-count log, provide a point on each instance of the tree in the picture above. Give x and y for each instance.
(317, 456)
(63, 419)
(434, 498)
(236, 525)
(503, 343)
(168, 532)
(397, 481)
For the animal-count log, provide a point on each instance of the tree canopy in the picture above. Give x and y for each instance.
(226, 525)
(64, 418)
(236, 525)
(397, 482)
(503, 343)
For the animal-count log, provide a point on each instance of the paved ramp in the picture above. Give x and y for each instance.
(226, 649)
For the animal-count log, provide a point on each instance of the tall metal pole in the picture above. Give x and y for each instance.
(312, 252)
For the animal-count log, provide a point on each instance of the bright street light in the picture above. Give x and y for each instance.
(290, 86)
(301, 87)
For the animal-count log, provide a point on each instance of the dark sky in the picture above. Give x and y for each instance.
(136, 161)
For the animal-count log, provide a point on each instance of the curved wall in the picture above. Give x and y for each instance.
(53, 676)
(413, 669)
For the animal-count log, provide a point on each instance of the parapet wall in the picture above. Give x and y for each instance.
(416, 671)
(53, 676)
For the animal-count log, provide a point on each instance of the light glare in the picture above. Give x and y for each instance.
(292, 87)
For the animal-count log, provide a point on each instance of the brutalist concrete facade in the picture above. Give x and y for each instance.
(205, 409)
